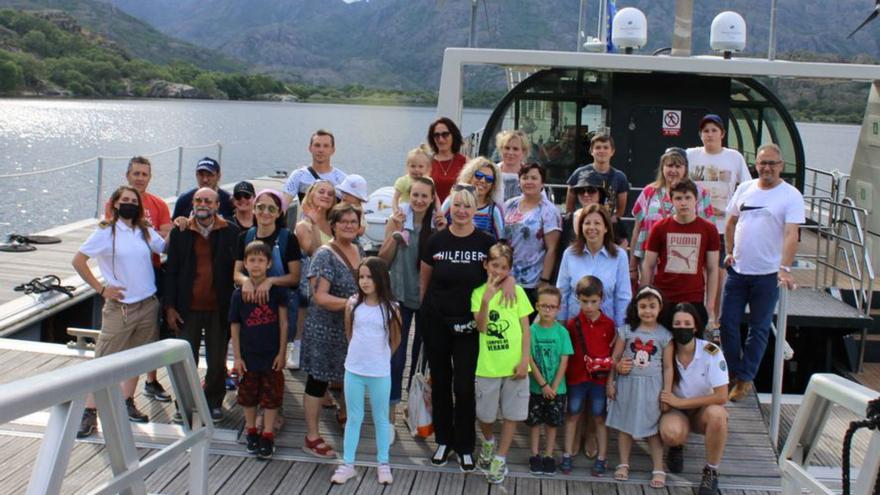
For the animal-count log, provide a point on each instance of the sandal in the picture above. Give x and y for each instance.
(621, 472)
(658, 479)
(318, 448)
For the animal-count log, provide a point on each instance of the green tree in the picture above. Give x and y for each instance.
(10, 76)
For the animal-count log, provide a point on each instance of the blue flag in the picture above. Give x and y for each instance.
(611, 10)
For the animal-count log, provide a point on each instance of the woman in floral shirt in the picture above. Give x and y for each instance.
(532, 227)
(654, 203)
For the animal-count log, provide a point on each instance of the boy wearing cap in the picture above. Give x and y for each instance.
(207, 175)
(718, 170)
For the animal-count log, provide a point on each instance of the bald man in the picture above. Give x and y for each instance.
(198, 286)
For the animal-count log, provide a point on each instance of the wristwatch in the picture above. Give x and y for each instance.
(786, 269)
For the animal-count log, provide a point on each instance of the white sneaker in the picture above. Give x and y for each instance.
(293, 354)
(383, 472)
(344, 473)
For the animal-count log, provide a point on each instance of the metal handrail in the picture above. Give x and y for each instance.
(779, 352)
(64, 390)
(824, 391)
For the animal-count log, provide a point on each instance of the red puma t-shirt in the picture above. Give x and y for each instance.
(681, 261)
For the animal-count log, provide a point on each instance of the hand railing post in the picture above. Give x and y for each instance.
(220, 153)
(778, 353)
(100, 185)
(179, 170)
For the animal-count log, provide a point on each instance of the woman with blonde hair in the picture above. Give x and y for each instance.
(484, 176)
(514, 147)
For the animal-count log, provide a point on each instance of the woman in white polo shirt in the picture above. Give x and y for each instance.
(122, 246)
(698, 396)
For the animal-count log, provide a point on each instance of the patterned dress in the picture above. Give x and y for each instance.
(654, 204)
(324, 346)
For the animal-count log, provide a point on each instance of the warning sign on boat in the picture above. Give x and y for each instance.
(671, 122)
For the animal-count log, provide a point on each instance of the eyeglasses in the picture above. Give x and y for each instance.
(443, 135)
(240, 196)
(588, 190)
(200, 201)
(484, 177)
(270, 208)
(548, 306)
(768, 163)
(464, 187)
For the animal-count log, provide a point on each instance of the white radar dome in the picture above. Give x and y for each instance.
(728, 33)
(629, 29)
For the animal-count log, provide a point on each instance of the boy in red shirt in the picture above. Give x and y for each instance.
(684, 248)
(592, 338)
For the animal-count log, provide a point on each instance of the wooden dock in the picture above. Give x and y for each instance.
(749, 465)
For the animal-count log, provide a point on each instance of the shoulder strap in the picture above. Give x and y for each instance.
(281, 241)
(580, 334)
(314, 174)
(250, 235)
(342, 255)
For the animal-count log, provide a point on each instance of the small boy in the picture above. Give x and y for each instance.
(551, 347)
(259, 342)
(502, 362)
(592, 338)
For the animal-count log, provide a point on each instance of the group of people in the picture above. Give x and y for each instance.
(542, 316)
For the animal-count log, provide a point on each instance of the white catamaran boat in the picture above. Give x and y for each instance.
(647, 103)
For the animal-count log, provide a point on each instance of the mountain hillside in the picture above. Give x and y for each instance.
(399, 43)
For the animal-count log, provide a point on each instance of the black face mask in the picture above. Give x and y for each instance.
(683, 336)
(128, 211)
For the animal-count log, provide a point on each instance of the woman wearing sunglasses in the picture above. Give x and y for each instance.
(243, 201)
(483, 177)
(445, 140)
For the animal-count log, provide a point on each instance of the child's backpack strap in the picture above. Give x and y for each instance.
(579, 330)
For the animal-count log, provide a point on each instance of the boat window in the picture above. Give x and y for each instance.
(555, 83)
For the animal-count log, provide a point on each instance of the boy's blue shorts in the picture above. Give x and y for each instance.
(587, 392)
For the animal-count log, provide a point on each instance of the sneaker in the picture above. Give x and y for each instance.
(709, 483)
(383, 472)
(675, 459)
(600, 466)
(216, 414)
(497, 471)
(88, 424)
(487, 453)
(441, 455)
(549, 465)
(342, 474)
(536, 466)
(253, 443)
(134, 415)
(565, 464)
(293, 355)
(232, 381)
(740, 391)
(466, 463)
(156, 391)
(267, 447)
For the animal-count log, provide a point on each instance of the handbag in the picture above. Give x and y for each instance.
(419, 414)
(597, 368)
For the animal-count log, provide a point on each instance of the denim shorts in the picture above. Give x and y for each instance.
(579, 394)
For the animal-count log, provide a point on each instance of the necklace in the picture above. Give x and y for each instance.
(445, 168)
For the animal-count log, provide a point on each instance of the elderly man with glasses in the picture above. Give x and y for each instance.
(762, 235)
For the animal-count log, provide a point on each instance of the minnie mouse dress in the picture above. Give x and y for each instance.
(636, 409)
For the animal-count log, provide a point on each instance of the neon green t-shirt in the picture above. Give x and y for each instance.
(501, 344)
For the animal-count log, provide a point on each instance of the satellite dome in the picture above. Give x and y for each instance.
(629, 29)
(728, 33)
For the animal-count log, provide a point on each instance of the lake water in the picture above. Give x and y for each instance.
(258, 138)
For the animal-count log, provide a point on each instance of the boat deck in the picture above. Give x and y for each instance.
(749, 465)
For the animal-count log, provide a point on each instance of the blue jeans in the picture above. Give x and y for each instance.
(398, 359)
(760, 292)
(356, 387)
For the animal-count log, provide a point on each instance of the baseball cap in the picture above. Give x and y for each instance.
(244, 187)
(208, 164)
(355, 185)
(713, 118)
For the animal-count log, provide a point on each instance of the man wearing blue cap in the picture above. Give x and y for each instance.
(718, 170)
(207, 175)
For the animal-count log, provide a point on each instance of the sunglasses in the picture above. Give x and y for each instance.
(269, 208)
(464, 187)
(444, 135)
(484, 177)
(588, 190)
(240, 196)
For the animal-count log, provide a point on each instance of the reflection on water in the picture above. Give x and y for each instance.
(258, 138)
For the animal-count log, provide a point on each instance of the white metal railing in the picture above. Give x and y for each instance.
(99, 161)
(64, 390)
(824, 391)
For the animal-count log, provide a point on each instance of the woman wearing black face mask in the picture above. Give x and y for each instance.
(698, 396)
(122, 246)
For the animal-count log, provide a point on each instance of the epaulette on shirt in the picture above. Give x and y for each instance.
(711, 348)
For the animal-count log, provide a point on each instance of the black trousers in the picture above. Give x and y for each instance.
(453, 362)
(216, 344)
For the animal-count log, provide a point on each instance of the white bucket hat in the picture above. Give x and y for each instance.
(355, 185)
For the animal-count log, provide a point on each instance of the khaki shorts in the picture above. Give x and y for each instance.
(126, 326)
(512, 395)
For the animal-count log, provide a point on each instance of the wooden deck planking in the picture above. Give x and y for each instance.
(870, 376)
